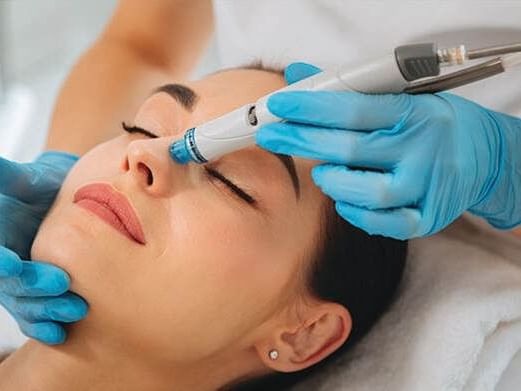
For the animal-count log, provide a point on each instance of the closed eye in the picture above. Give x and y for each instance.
(232, 186)
(137, 129)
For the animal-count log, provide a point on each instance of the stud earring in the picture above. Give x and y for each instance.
(273, 354)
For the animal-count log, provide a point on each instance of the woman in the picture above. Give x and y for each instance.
(145, 43)
(209, 276)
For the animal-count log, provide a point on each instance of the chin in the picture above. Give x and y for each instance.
(64, 240)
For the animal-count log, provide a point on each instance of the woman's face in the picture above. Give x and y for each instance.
(216, 269)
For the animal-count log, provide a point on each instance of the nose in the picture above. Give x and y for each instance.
(149, 164)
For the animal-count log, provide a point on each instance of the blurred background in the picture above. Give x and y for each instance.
(39, 43)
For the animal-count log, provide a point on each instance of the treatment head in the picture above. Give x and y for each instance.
(185, 150)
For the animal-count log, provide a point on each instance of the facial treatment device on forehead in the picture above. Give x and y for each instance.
(412, 69)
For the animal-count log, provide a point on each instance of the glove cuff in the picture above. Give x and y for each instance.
(501, 205)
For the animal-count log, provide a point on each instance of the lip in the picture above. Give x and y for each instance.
(112, 207)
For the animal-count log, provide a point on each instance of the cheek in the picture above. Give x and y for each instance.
(219, 253)
(101, 163)
(70, 239)
(219, 278)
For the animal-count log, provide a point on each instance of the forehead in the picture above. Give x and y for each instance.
(228, 90)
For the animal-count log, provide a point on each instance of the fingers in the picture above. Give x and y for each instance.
(299, 70)
(10, 263)
(16, 179)
(47, 332)
(18, 225)
(331, 145)
(366, 189)
(66, 308)
(343, 110)
(401, 223)
(36, 279)
(34, 181)
(37, 297)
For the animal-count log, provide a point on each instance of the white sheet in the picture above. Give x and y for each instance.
(456, 325)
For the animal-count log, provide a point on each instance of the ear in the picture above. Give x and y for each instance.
(307, 339)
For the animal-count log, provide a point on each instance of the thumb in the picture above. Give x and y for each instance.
(10, 264)
(299, 70)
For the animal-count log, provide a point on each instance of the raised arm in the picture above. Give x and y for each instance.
(143, 45)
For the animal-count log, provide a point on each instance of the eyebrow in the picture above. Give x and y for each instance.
(289, 163)
(187, 98)
(181, 93)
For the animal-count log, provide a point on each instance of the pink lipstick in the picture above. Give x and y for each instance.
(112, 207)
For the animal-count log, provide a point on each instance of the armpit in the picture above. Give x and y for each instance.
(4, 355)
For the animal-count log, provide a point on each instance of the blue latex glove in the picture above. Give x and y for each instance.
(431, 157)
(34, 293)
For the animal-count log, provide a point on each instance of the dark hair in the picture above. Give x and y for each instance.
(352, 268)
(362, 272)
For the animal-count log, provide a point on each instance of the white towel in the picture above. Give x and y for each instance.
(455, 326)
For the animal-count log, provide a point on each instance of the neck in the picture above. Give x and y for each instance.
(82, 365)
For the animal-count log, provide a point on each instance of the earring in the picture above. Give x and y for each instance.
(273, 354)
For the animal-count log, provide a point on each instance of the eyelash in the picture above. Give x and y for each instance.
(232, 186)
(213, 173)
(137, 129)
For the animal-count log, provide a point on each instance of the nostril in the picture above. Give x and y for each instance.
(148, 173)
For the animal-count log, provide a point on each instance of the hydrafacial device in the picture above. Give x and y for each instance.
(412, 69)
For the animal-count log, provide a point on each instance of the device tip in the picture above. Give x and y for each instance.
(179, 152)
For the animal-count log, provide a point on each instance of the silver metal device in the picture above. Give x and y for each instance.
(412, 69)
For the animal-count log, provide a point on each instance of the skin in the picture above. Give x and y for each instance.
(218, 283)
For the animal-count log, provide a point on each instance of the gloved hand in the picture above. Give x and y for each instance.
(35, 293)
(402, 165)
